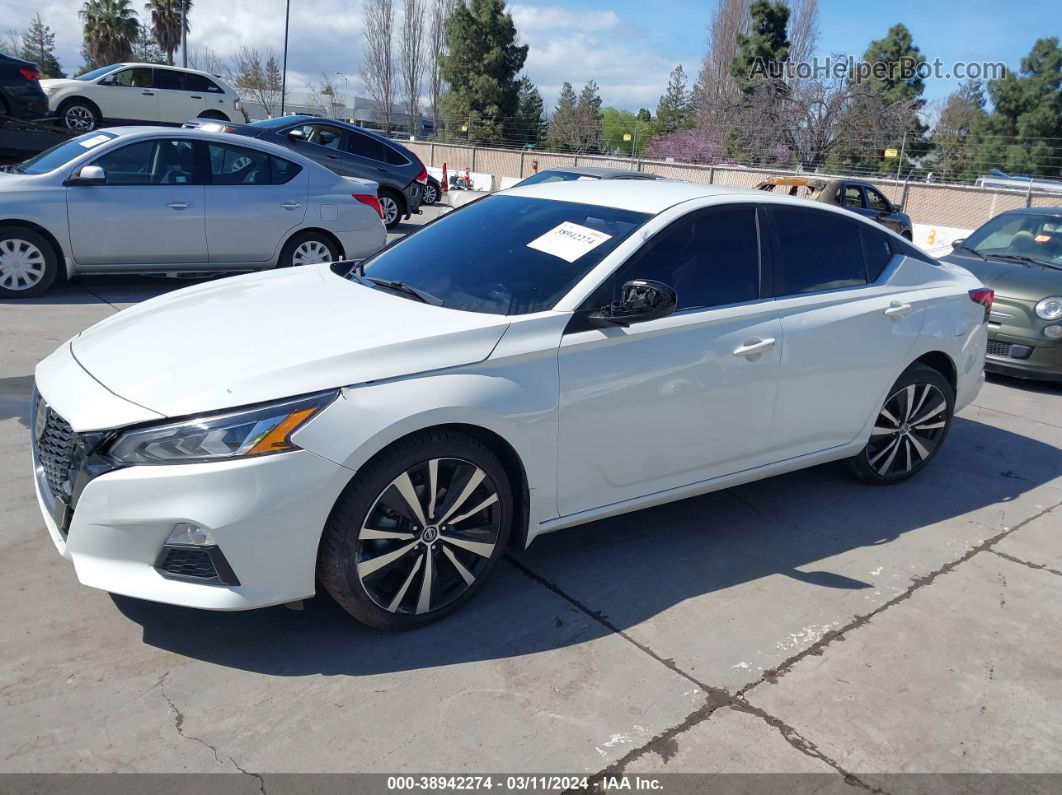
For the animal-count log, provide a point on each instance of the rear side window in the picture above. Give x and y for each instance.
(364, 146)
(237, 165)
(283, 170)
(818, 251)
(394, 157)
(194, 82)
(878, 250)
(169, 80)
(710, 258)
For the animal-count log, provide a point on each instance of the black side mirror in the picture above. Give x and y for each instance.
(958, 242)
(642, 300)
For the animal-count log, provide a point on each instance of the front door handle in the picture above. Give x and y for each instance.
(179, 205)
(195, 97)
(148, 93)
(897, 309)
(290, 205)
(754, 346)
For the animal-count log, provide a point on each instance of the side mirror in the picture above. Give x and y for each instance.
(957, 242)
(296, 135)
(89, 175)
(642, 300)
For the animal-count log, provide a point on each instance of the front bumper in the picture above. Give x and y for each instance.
(1024, 358)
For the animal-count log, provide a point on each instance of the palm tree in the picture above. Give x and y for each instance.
(110, 28)
(166, 23)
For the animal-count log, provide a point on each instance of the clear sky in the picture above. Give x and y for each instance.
(628, 46)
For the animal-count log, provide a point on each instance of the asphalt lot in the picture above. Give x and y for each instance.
(805, 623)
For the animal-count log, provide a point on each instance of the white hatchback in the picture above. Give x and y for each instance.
(544, 357)
(140, 92)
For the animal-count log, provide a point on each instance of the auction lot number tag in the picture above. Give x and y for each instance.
(569, 241)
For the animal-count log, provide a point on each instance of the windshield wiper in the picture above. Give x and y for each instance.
(405, 289)
(975, 253)
(1026, 259)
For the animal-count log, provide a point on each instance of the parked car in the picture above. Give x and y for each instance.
(584, 173)
(1019, 255)
(432, 191)
(853, 194)
(20, 90)
(348, 150)
(151, 199)
(387, 428)
(140, 92)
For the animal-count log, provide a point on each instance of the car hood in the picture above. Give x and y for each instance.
(265, 336)
(1012, 280)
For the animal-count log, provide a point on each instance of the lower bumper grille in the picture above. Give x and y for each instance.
(196, 564)
(996, 348)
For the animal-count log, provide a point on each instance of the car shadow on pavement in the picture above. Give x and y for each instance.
(576, 585)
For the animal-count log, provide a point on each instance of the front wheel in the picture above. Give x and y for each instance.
(910, 427)
(417, 531)
(79, 116)
(28, 263)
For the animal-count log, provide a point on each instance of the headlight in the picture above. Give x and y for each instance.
(261, 430)
(1050, 308)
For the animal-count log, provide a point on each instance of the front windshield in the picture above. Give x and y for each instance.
(505, 255)
(552, 176)
(61, 154)
(1037, 237)
(99, 72)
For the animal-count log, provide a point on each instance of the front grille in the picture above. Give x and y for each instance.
(188, 563)
(55, 451)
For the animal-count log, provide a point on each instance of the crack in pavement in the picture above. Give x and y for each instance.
(178, 725)
(718, 698)
(1029, 563)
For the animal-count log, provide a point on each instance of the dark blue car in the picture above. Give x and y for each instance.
(21, 94)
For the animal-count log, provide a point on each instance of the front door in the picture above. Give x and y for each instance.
(847, 326)
(128, 94)
(149, 212)
(682, 399)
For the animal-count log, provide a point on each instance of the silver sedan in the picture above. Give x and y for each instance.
(158, 200)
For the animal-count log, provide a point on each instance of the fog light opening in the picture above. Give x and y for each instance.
(1053, 332)
(190, 535)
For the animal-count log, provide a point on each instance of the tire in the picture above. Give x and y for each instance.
(899, 448)
(29, 264)
(213, 114)
(391, 205)
(79, 115)
(308, 248)
(442, 565)
(431, 195)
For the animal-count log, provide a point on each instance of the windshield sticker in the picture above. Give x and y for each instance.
(569, 241)
(95, 140)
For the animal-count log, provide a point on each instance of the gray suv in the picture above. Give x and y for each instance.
(347, 150)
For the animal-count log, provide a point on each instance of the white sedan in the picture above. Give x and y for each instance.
(544, 357)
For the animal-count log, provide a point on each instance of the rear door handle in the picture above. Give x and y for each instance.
(754, 346)
(195, 97)
(179, 205)
(897, 309)
(289, 205)
(148, 93)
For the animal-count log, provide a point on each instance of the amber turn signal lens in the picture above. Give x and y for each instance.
(277, 439)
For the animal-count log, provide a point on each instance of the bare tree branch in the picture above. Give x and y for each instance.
(413, 12)
(379, 68)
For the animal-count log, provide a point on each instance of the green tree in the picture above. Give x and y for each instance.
(564, 125)
(166, 23)
(952, 136)
(675, 109)
(480, 66)
(530, 127)
(1023, 134)
(588, 118)
(146, 49)
(644, 114)
(763, 51)
(38, 45)
(615, 124)
(110, 30)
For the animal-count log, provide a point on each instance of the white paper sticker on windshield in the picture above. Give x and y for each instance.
(569, 241)
(95, 140)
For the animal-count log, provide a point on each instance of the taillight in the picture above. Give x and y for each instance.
(372, 201)
(422, 177)
(236, 104)
(29, 74)
(983, 296)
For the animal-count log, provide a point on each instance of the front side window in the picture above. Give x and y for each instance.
(505, 255)
(710, 258)
(876, 201)
(853, 197)
(321, 134)
(237, 165)
(137, 77)
(159, 161)
(818, 251)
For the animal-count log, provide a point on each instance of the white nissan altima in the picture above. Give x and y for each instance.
(543, 357)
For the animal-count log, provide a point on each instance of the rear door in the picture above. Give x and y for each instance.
(175, 100)
(253, 201)
(847, 325)
(149, 212)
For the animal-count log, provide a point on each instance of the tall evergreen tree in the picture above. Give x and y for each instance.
(564, 125)
(146, 49)
(952, 142)
(38, 45)
(588, 118)
(763, 51)
(1023, 134)
(480, 66)
(530, 128)
(675, 109)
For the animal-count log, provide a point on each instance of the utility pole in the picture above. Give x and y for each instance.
(899, 162)
(284, 73)
(184, 35)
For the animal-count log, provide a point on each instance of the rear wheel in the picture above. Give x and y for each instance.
(308, 248)
(28, 263)
(909, 429)
(79, 116)
(391, 206)
(431, 194)
(417, 531)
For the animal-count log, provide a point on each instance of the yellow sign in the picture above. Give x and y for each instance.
(626, 136)
(891, 153)
(464, 128)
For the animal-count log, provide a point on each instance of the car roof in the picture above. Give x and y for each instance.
(12, 60)
(1055, 211)
(144, 131)
(307, 118)
(650, 196)
(601, 172)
